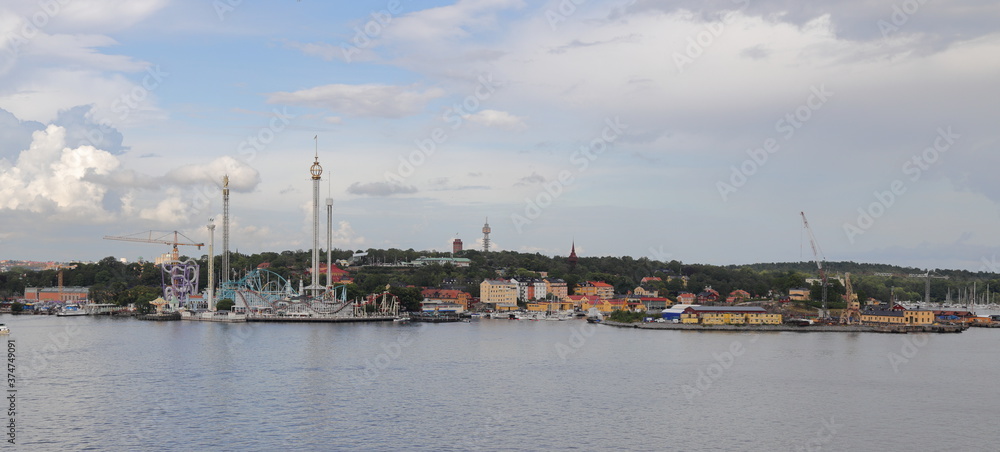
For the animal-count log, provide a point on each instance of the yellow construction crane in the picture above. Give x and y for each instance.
(852, 313)
(152, 237)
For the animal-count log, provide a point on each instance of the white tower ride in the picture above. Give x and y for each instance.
(315, 289)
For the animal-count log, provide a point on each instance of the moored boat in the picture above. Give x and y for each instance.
(71, 310)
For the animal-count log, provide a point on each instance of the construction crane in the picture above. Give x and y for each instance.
(163, 237)
(817, 254)
(852, 313)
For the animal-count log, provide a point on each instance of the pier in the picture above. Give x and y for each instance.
(317, 319)
(896, 329)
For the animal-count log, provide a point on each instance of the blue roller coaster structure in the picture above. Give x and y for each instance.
(265, 292)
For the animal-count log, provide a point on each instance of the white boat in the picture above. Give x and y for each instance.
(71, 310)
(4, 329)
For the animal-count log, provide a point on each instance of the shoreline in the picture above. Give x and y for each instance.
(890, 329)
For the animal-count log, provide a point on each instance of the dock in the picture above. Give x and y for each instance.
(893, 329)
(435, 318)
(317, 319)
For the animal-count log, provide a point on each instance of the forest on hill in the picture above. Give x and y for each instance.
(117, 282)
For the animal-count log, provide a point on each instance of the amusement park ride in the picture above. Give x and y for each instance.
(259, 292)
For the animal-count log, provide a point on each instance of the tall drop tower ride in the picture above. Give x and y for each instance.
(315, 289)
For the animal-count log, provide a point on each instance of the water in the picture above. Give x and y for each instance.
(98, 383)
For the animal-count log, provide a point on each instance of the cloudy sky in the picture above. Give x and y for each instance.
(685, 130)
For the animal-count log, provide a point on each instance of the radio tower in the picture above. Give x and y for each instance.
(486, 236)
(225, 229)
(316, 170)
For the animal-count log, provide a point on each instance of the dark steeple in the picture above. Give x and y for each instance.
(572, 257)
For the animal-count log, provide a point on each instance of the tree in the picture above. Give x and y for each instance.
(225, 304)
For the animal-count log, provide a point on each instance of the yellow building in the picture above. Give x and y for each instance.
(883, 317)
(556, 287)
(720, 315)
(603, 306)
(764, 319)
(643, 292)
(542, 306)
(919, 317)
(598, 288)
(502, 294)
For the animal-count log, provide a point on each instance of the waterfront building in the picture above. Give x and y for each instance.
(556, 287)
(499, 293)
(953, 316)
(442, 307)
(598, 288)
(882, 317)
(447, 296)
(67, 293)
(579, 301)
(553, 306)
(674, 312)
(728, 315)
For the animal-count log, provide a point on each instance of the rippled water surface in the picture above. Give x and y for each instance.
(97, 383)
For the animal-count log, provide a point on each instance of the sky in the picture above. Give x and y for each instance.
(696, 131)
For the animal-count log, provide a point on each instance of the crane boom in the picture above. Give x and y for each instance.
(817, 255)
(162, 238)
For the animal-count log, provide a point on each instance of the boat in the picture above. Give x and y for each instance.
(71, 310)
(4, 329)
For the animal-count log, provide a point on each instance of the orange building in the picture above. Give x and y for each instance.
(598, 288)
(56, 294)
(447, 296)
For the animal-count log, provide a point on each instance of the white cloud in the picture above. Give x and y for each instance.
(242, 177)
(52, 178)
(361, 100)
(172, 210)
(494, 118)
